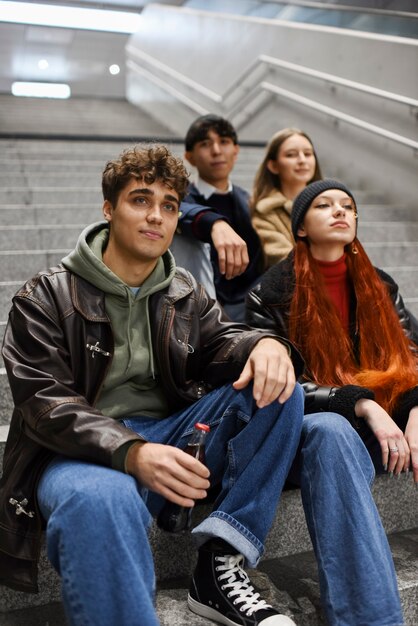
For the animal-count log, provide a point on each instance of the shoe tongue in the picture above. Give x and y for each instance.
(219, 546)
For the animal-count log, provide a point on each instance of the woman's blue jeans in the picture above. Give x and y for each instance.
(98, 518)
(356, 572)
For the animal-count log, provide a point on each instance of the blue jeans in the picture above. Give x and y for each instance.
(356, 572)
(98, 518)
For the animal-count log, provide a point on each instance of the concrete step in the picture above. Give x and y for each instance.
(386, 212)
(19, 265)
(99, 117)
(41, 214)
(86, 177)
(27, 153)
(388, 231)
(392, 253)
(288, 583)
(51, 195)
(406, 278)
(52, 236)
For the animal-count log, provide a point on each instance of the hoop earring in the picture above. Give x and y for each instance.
(354, 248)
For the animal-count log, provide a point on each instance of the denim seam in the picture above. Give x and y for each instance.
(71, 595)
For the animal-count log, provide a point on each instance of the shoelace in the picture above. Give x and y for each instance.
(239, 584)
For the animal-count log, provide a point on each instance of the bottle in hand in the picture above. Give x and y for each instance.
(175, 518)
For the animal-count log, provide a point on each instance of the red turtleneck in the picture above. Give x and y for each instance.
(337, 286)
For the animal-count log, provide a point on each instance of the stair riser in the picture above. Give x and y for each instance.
(84, 195)
(60, 237)
(389, 232)
(392, 255)
(66, 214)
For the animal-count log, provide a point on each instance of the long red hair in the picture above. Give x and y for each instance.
(384, 362)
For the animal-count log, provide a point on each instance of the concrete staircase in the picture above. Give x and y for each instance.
(77, 116)
(50, 189)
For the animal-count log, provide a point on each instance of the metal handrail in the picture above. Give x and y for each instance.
(171, 72)
(194, 106)
(346, 7)
(344, 117)
(329, 78)
(272, 61)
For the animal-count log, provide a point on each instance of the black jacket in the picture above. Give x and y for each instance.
(268, 307)
(57, 350)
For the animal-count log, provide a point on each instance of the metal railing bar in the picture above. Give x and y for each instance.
(354, 121)
(191, 104)
(278, 91)
(273, 61)
(345, 7)
(172, 72)
(330, 78)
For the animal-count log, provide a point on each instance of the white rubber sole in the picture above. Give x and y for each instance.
(206, 611)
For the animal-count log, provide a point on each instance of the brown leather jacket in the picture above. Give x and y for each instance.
(57, 349)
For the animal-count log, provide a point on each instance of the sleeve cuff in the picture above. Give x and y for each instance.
(343, 400)
(203, 222)
(119, 455)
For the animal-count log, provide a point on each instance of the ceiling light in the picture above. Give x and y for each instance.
(43, 64)
(41, 90)
(69, 17)
(114, 69)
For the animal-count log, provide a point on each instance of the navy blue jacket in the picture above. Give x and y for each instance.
(197, 220)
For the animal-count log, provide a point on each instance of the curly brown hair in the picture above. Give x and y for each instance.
(150, 163)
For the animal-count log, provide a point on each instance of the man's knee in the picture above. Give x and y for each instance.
(83, 490)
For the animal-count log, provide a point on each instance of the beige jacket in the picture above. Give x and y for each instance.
(271, 220)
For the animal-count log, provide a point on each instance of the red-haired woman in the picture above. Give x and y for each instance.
(359, 343)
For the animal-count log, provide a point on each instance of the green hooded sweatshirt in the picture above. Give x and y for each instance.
(132, 385)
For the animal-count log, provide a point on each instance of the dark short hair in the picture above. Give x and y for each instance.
(200, 128)
(150, 163)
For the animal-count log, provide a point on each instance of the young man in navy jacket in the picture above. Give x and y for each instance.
(217, 213)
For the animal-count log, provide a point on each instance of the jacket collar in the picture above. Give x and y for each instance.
(89, 301)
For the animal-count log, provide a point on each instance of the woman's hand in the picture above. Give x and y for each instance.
(411, 435)
(394, 446)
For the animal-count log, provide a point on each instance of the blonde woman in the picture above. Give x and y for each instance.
(290, 163)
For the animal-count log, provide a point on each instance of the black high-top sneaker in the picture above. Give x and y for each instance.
(221, 590)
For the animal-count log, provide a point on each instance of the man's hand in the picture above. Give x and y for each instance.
(232, 250)
(411, 435)
(270, 366)
(395, 449)
(168, 471)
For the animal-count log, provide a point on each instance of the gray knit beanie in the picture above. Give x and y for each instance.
(303, 201)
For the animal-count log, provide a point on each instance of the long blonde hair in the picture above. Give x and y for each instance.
(265, 181)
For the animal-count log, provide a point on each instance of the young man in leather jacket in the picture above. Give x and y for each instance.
(112, 357)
